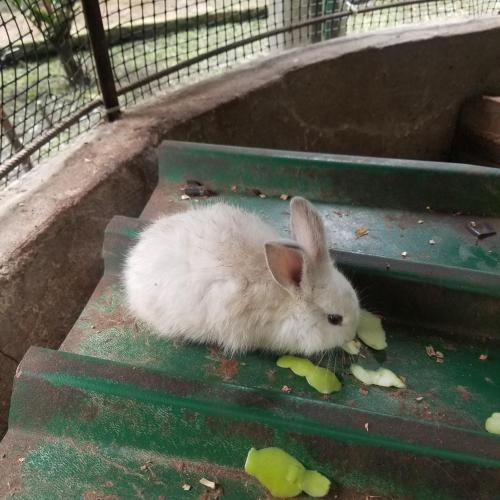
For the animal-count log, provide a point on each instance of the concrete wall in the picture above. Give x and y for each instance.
(393, 94)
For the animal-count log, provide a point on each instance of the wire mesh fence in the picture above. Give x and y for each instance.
(50, 89)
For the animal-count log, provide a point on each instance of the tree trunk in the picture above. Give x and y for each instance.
(12, 136)
(74, 72)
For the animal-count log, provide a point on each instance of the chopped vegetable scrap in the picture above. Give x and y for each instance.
(370, 331)
(283, 475)
(382, 377)
(437, 355)
(208, 483)
(492, 423)
(322, 379)
(286, 389)
(352, 347)
(361, 231)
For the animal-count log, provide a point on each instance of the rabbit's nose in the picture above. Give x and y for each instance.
(335, 319)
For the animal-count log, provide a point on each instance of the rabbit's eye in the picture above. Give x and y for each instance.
(335, 319)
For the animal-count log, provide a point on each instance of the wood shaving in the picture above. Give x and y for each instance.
(404, 254)
(185, 197)
(207, 483)
(430, 351)
(234, 188)
(366, 426)
(432, 242)
(262, 195)
(186, 487)
(439, 355)
(439, 360)
(420, 221)
(284, 197)
(361, 231)
(286, 389)
(483, 357)
(420, 398)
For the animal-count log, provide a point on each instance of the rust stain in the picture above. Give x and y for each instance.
(228, 368)
(96, 495)
(212, 494)
(218, 472)
(464, 393)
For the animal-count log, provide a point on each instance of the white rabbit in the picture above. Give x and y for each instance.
(221, 275)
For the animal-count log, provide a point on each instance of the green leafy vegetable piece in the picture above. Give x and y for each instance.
(322, 379)
(492, 423)
(382, 377)
(299, 366)
(283, 475)
(370, 331)
(315, 484)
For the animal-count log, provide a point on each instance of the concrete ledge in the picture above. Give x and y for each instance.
(391, 94)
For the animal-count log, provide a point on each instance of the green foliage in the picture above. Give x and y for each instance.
(54, 18)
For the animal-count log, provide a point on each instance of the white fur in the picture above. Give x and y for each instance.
(203, 275)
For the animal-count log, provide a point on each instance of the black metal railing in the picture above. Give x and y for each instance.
(66, 64)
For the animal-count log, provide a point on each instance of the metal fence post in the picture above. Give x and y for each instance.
(95, 28)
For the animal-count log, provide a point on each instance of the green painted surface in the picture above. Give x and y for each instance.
(353, 181)
(122, 397)
(52, 469)
(445, 400)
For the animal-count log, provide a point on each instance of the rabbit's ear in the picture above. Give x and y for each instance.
(308, 229)
(286, 261)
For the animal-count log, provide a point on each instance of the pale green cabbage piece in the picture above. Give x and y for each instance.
(370, 331)
(492, 423)
(283, 475)
(322, 379)
(382, 377)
